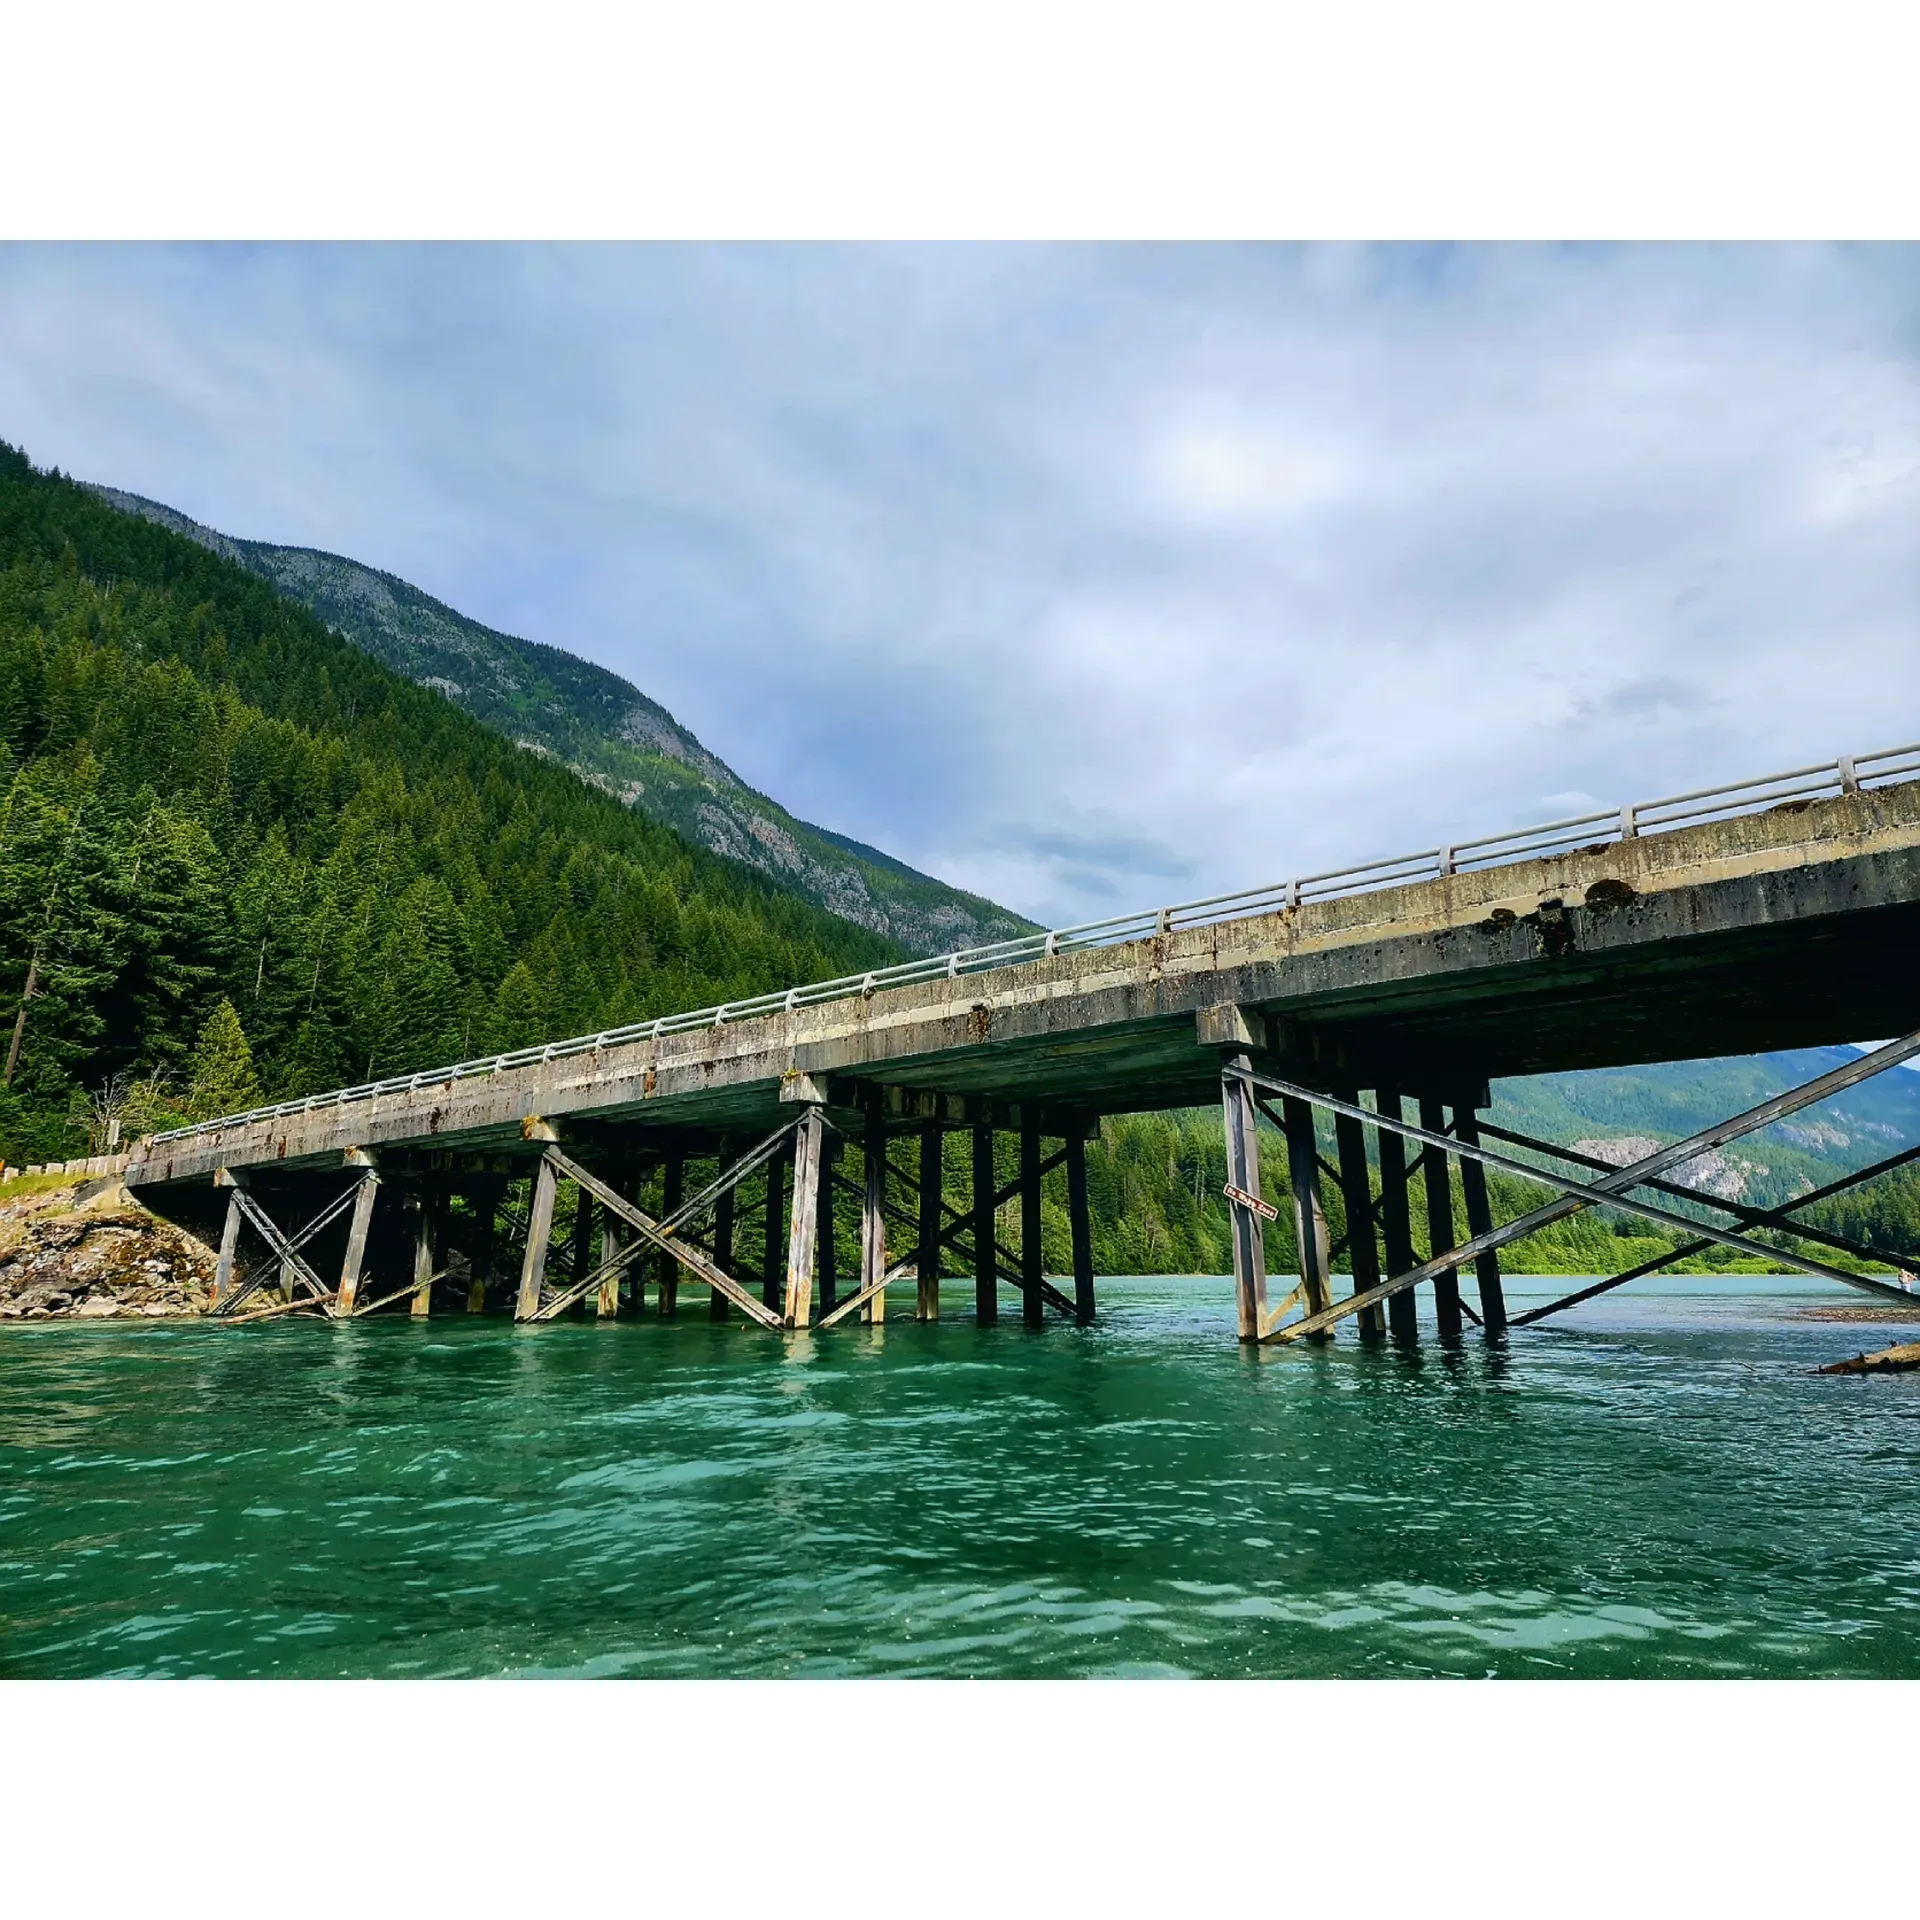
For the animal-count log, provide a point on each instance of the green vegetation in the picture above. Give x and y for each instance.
(207, 796)
(603, 727)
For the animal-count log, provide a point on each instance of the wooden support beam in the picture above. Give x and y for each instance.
(426, 1245)
(1032, 1259)
(613, 1236)
(1473, 1185)
(828, 1246)
(1438, 1183)
(1081, 1227)
(926, 1256)
(356, 1255)
(672, 1192)
(229, 1246)
(1243, 1172)
(1396, 1223)
(773, 1265)
(722, 1239)
(986, 1293)
(1356, 1198)
(805, 1227)
(1309, 1215)
(873, 1221)
(485, 1196)
(533, 1264)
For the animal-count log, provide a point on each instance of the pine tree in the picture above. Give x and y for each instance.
(222, 1075)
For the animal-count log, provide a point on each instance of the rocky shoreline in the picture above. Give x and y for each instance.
(90, 1251)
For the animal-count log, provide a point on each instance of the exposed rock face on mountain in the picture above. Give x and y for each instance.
(1710, 1172)
(101, 1257)
(609, 732)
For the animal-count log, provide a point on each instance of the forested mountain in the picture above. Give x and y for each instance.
(208, 796)
(605, 728)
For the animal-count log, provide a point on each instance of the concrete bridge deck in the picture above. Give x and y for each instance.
(1789, 928)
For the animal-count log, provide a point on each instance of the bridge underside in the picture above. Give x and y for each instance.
(1773, 931)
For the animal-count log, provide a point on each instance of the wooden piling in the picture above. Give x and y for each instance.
(356, 1254)
(1396, 1223)
(805, 1227)
(1473, 1184)
(722, 1233)
(986, 1275)
(1309, 1214)
(1440, 1235)
(1032, 1259)
(580, 1249)
(773, 1265)
(533, 1266)
(613, 1236)
(1080, 1224)
(873, 1219)
(229, 1247)
(426, 1244)
(1356, 1198)
(1243, 1173)
(486, 1205)
(827, 1251)
(673, 1178)
(926, 1257)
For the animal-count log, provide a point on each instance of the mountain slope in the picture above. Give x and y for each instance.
(219, 818)
(607, 730)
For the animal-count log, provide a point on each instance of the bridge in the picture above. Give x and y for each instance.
(1773, 913)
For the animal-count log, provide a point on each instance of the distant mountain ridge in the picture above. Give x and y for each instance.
(609, 732)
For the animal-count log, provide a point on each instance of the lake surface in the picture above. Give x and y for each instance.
(1659, 1486)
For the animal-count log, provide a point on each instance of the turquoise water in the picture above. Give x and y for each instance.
(1660, 1486)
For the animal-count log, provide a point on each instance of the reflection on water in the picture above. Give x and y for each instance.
(1657, 1485)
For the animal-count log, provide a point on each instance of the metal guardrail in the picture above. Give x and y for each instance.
(1849, 774)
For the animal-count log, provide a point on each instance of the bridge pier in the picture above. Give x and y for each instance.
(426, 1247)
(926, 1257)
(722, 1234)
(1473, 1187)
(1079, 1223)
(1309, 1215)
(873, 1220)
(986, 1266)
(357, 1230)
(773, 1249)
(533, 1265)
(1437, 1180)
(1243, 1174)
(825, 1195)
(673, 1176)
(808, 1189)
(1396, 1221)
(1356, 1200)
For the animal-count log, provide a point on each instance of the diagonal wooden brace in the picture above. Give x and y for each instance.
(659, 1234)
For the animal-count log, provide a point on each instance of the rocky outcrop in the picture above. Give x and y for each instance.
(94, 1253)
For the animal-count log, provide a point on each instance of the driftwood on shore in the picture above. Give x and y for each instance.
(1903, 1359)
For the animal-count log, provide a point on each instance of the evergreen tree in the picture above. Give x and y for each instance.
(222, 1077)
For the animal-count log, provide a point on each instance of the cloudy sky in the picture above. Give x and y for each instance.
(1085, 577)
